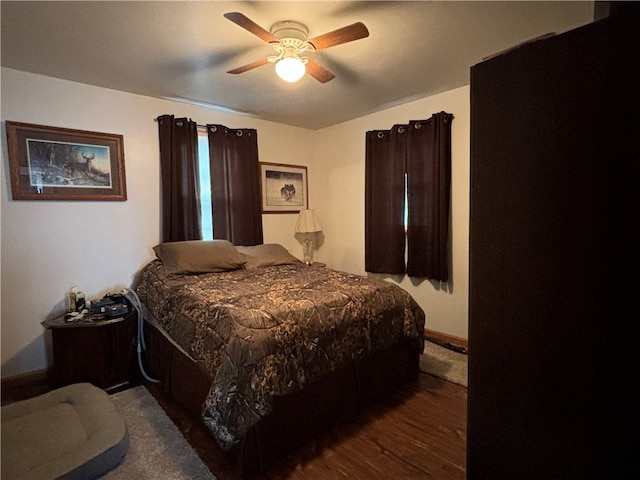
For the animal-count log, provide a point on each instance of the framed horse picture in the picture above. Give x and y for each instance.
(284, 188)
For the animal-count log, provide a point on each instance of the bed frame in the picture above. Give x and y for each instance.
(295, 418)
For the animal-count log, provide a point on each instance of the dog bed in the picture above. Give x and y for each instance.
(75, 432)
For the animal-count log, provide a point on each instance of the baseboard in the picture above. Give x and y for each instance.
(446, 338)
(27, 385)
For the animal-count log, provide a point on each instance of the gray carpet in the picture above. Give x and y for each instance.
(157, 449)
(444, 363)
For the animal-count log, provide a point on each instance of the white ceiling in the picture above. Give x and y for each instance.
(182, 50)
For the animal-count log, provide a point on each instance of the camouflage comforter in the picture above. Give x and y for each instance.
(268, 331)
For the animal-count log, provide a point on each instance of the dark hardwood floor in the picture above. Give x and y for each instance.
(418, 432)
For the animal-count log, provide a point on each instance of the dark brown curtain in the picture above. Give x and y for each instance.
(180, 179)
(235, 185)
(428, 191)
(386, 153)
(415, 160)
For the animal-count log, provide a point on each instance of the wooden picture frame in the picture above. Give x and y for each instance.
(284, 188)
(53, 163)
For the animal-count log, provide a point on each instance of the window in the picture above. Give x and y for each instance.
(405, 219)
(205, 185)
(234, 182)
(407, 186)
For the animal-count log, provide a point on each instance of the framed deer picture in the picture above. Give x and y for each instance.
(284, 188)
(52, 163)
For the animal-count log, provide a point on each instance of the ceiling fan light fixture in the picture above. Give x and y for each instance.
(290, 40)
(290, 68)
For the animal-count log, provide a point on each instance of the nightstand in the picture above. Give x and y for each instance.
(95, 350)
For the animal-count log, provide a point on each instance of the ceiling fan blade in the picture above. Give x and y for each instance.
(342, 35)
(318, 72)
(249, 66)
(249, 25)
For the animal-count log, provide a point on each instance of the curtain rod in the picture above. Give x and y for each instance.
(239, 131)
(197, 124)
(416, 123)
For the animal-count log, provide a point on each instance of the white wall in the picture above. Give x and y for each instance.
(48, 247)
(338, 187)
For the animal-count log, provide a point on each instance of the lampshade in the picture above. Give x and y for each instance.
(307, 222)
(290, 69)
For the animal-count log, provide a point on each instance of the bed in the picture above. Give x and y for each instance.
(270, 351)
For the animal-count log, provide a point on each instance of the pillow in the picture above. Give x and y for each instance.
(266, 255)
(199, 256)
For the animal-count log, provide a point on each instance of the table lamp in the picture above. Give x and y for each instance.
(308, 223)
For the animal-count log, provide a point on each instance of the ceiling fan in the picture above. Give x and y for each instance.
(290, 40)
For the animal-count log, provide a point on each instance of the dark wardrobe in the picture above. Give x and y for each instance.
(554, 305)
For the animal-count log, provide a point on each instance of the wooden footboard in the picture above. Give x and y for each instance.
(295, 418)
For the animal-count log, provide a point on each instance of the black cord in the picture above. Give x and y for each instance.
(450, 346)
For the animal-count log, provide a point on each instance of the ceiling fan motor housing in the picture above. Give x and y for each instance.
(290, 29)
(293, 40)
